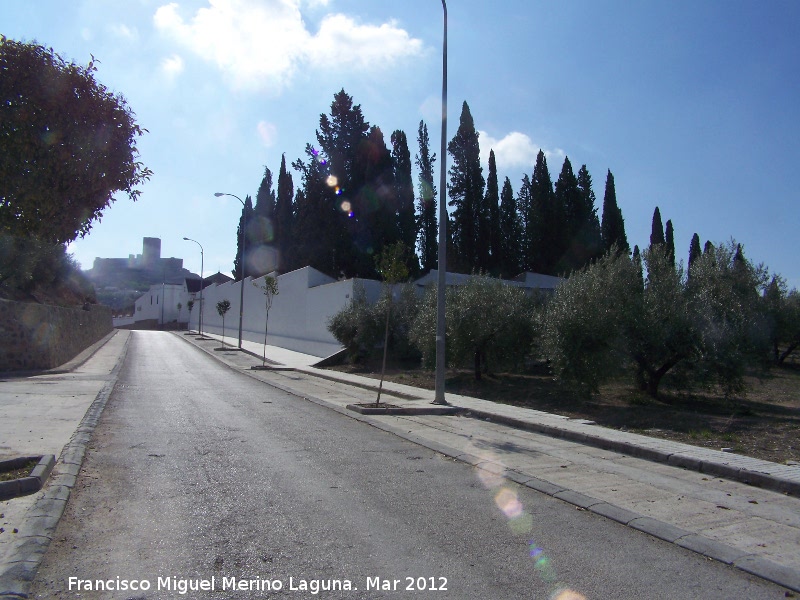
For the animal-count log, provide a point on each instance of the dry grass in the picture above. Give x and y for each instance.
(763, 424)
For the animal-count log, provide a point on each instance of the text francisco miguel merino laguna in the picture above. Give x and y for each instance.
(236, 584)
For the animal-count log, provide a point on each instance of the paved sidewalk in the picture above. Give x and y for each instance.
(665, 489)
(52, 412)
(738, 510)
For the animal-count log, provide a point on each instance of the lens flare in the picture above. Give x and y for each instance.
(332, 181)
(508, 502)
(566, 594)
(346, 207)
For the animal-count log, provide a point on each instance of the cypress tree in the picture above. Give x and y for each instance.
(567, 201)
(283, 216)
(669, 240)
(376, 225)
(426, 203)
(589, 236)
(656, 229)
(260, 234)
(529, 241)
(694, 252)
(613, 225)
(510, 246)
(492, 203)
(545, 250)
(466, 195)
(404, 190)
(320, 237)
(244, 220)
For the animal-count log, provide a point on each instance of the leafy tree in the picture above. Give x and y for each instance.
(613, 225)
(510, 243)
(223, 306)
(270, 289)
(428, 243)
(488, 322)
(583, 332)
(723, 299)
(492, 203)
(244, 223)
(466, 196)
(67, 145)
(659, 327)
(781, 308)
(355, 326)
(284, 216)
(31, 269)
(359, 325)
(657, 229)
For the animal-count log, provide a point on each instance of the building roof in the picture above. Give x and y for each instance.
(193, 285)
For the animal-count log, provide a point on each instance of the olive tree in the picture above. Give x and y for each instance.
(489, 323)
(583, 324)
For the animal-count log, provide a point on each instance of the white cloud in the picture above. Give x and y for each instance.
(515, 150)
(341, 42)
(125, 32)
(260, 44)
(172, 66)
(267, 132)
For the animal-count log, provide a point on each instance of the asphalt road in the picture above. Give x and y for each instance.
(198, 472)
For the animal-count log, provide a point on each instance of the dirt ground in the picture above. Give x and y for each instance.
(764, 423)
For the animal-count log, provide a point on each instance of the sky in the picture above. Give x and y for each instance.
(692, 105)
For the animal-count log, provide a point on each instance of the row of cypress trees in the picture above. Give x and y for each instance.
(356, 195)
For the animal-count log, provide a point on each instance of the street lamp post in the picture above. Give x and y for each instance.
(200, 319)
(241, 263)
(442, 266)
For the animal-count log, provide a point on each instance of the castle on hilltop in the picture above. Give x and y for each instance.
(146, 268)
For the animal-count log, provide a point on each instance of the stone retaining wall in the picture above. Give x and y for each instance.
(37, 336)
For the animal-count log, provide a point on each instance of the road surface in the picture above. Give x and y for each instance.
(201, 477)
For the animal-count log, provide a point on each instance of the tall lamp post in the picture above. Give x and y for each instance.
(442, 266)
(200, 319)
(241, 262)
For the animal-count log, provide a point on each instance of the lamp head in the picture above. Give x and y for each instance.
(218, 194)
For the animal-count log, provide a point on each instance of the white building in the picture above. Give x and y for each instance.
(298, 318)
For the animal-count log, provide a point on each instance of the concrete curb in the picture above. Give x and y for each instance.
(732, 472)
(30, 484)
(750, 563)
(39, 528)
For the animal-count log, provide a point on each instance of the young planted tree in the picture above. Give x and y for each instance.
(223, 306)
(270, 290)
(391, 265)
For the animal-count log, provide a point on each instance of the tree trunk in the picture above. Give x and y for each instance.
(477, 365)
(385, 348)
